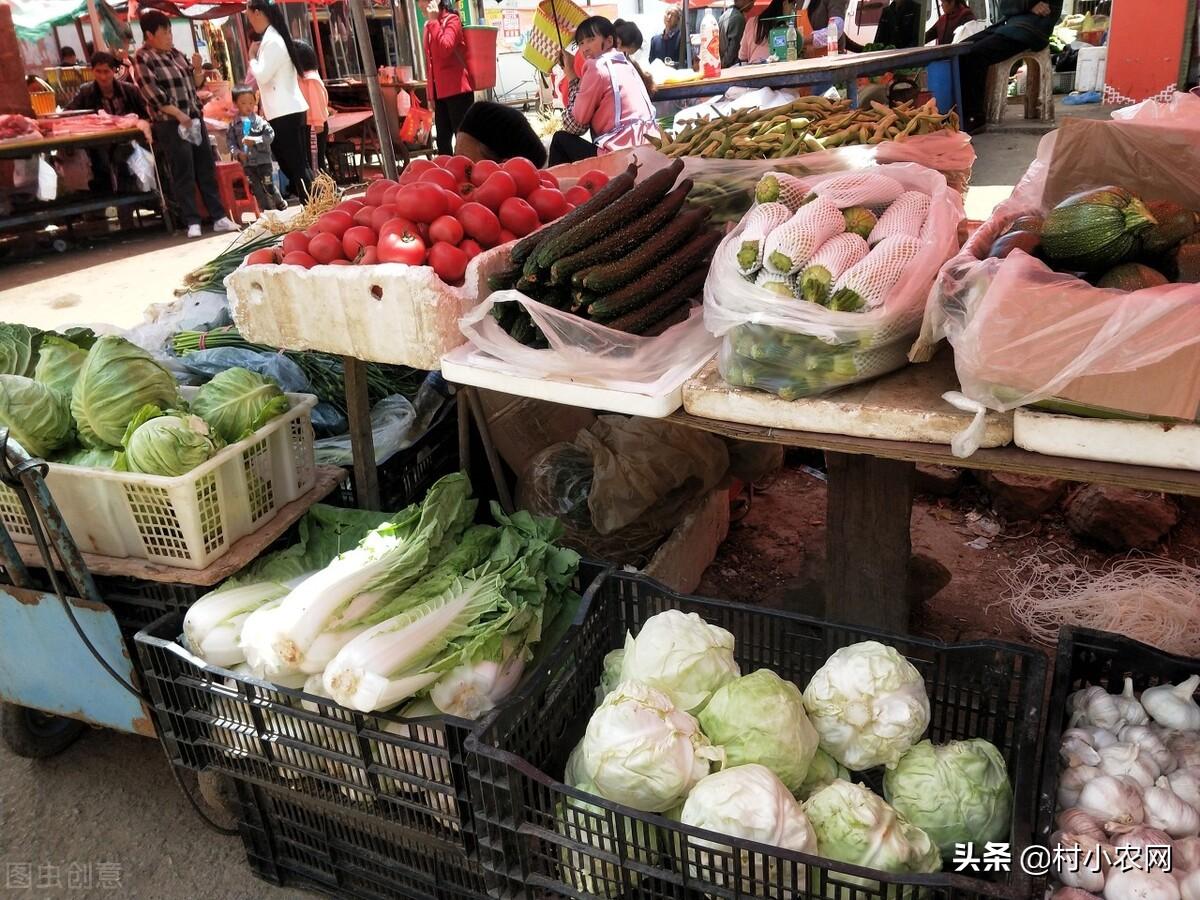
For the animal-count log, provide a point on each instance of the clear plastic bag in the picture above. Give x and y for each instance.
(797, 349)
(141, 166)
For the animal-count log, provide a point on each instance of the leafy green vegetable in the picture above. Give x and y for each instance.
(37, 418)
(681, 654)
(856, 826)
(238, 402)
(95, 459)
(117, 379)
(165, 444)
(61, 357)
(823, 770)
(18, 349)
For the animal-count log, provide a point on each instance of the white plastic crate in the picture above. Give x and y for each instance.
(189, 520)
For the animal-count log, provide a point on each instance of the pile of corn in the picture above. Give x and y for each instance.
(807, 125)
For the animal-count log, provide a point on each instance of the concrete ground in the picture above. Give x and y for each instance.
(110, 797)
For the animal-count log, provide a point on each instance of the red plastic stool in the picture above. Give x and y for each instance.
(232, 181)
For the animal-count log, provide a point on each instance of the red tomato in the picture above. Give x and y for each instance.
(370, 257)
(593, 181)
(446, 229)
(471, 248)
(335, 222)
(264, 257)
(398, 225)
(295, 242)
(341, 262)
(518, 216)
(524, 173)
(389, 199)
(415, 170)
(350, 206)
(461, 167)
(441, 178)
(404, 248)
(466, 190)
(498, 188)
(548, 180)
(325, 248)
(483, 170)
(453, 202)
(364, 215)
(381, 216)
(357, 238)
(448, 261)
(578, 194)
(421, 202)
(506, 237)
(310, 233)
(441, 159)
(549, 203)
(376, 191)
(480, 223)
(423, 233)
(299, 259)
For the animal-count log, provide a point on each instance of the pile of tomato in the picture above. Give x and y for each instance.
(441, 213)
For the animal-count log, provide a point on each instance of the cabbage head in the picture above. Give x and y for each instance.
(760, 718)
(868, 704)
(18, 349)
(823, 770)
(958, 792)
(642, 751)
(238, 402)
(596, 827)
(172, 444)
(856, 826)
(94, 459)
(60, 359)
(36, 417)
(610, 677)
(683, 656)
(117, 379)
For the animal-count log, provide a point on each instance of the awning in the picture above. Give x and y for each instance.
(35, 18)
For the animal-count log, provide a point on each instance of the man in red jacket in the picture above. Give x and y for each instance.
(446, 61)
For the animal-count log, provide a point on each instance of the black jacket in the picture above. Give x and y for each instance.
(665, 46)
(900, 24)
(1017, 22)
(126, 95)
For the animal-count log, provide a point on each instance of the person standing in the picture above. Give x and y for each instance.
(276, 67)
(317, 97)
(733, 27)
(666, 46)
(168, 84)
(250, 137)
(900, 25)
(446, 60)
(756, 40)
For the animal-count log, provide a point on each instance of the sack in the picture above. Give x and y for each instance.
(141, 166)
(554, 25)
(1023, 333)
(418, 124)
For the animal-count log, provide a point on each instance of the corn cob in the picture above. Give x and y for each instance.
(904, 218)
(760, 222)
(790, 246)
(866, 285)
(836, 256)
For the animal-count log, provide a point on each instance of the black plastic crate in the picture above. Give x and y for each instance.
(137, 603)
(986, 689)
(294, 842)
(1086, 657)
(411, 772)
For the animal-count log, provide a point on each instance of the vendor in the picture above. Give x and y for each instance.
(67, 57)
(1022, 25)
(732, 27)
(756, 40)
(821, 11)
(627, 38)
(667, 46)
(610, 99)
(107, 93)
(498, 132)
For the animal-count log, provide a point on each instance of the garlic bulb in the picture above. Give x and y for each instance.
(1189, 887)
(1091, 735)
(1174, 705)
(1070, 893)
(1142, 836)
(1076, 751)
(1186, 785)
(1071, 782)
(1094, 706)
(1150, 744)
(1186, 747)
(1185, 854)
(1114, 801)
(1138, 885)
(1132, 711)
(1074, 820)
(1167, 811)
(1086, 869)
(1125, 759)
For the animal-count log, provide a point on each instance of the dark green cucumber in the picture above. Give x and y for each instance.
(624, 239)
(615, 214)
(609, 277)
(505, 280)
(680, 294)
(616, 187)
(664, 275)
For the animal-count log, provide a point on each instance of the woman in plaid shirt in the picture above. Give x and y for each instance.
(168, 83)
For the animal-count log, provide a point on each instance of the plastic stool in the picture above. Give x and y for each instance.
(230, 177)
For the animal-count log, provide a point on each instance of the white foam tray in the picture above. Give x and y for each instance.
(1166, 445)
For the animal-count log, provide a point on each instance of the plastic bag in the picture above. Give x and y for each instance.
(583, 351)
(623, 484)
(396, 424)
(797, 349)
(418, 124)
(47, 180)
(141, 165)
(1024, 334)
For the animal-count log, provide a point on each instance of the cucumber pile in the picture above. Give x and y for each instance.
(633, 258)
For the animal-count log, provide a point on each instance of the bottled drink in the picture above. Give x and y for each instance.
(710, 46)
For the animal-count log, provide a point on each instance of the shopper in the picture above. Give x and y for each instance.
(276, 66)
(250, 137)
(498, 132)
(317, 97)
(666, 46)
(956, 14)
(732, 25)
(609, 100)
(446, 61)
(168, 84)
(900, 25)
(1021, 25)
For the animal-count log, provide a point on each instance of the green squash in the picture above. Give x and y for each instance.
(1095, 230)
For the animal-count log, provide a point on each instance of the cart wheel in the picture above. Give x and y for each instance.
(34, 734)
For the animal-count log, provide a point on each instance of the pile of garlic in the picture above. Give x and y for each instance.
(1131, 781)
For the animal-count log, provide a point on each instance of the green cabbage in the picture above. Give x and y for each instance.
(238, 402)
(856, 826)
(18, 349)
(95, 459)
(610, 677)
(61, 357)
(117, 379)
(682, 655)
(958, 792)
(760, 718)
(158, 444)
(36, 417)
(823, 770)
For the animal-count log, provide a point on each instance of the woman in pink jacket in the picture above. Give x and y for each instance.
(609, 100)
(446, 61)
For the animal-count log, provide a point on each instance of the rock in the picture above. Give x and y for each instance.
(1017, 496)
(940, 481)
(1119, 518)
(926, 577)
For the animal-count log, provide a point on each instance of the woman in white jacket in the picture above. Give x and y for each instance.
(276, 66)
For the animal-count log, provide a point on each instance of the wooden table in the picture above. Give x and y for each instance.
(25, 148)
(844, 68)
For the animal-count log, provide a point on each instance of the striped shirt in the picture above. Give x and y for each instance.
(166, 79)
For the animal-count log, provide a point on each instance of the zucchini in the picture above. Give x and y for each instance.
(677, 296)
(610, 276)
(624, 239)
(608, 218)
(523, 253)
(1095, 230)
(694, 253)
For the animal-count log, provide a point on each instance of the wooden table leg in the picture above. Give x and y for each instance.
(362, 438)
(485, 437)
(867, 540)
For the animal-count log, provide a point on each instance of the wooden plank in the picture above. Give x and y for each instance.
(362, 438)
(867, 541)
(1000, 459)
(243, 552)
